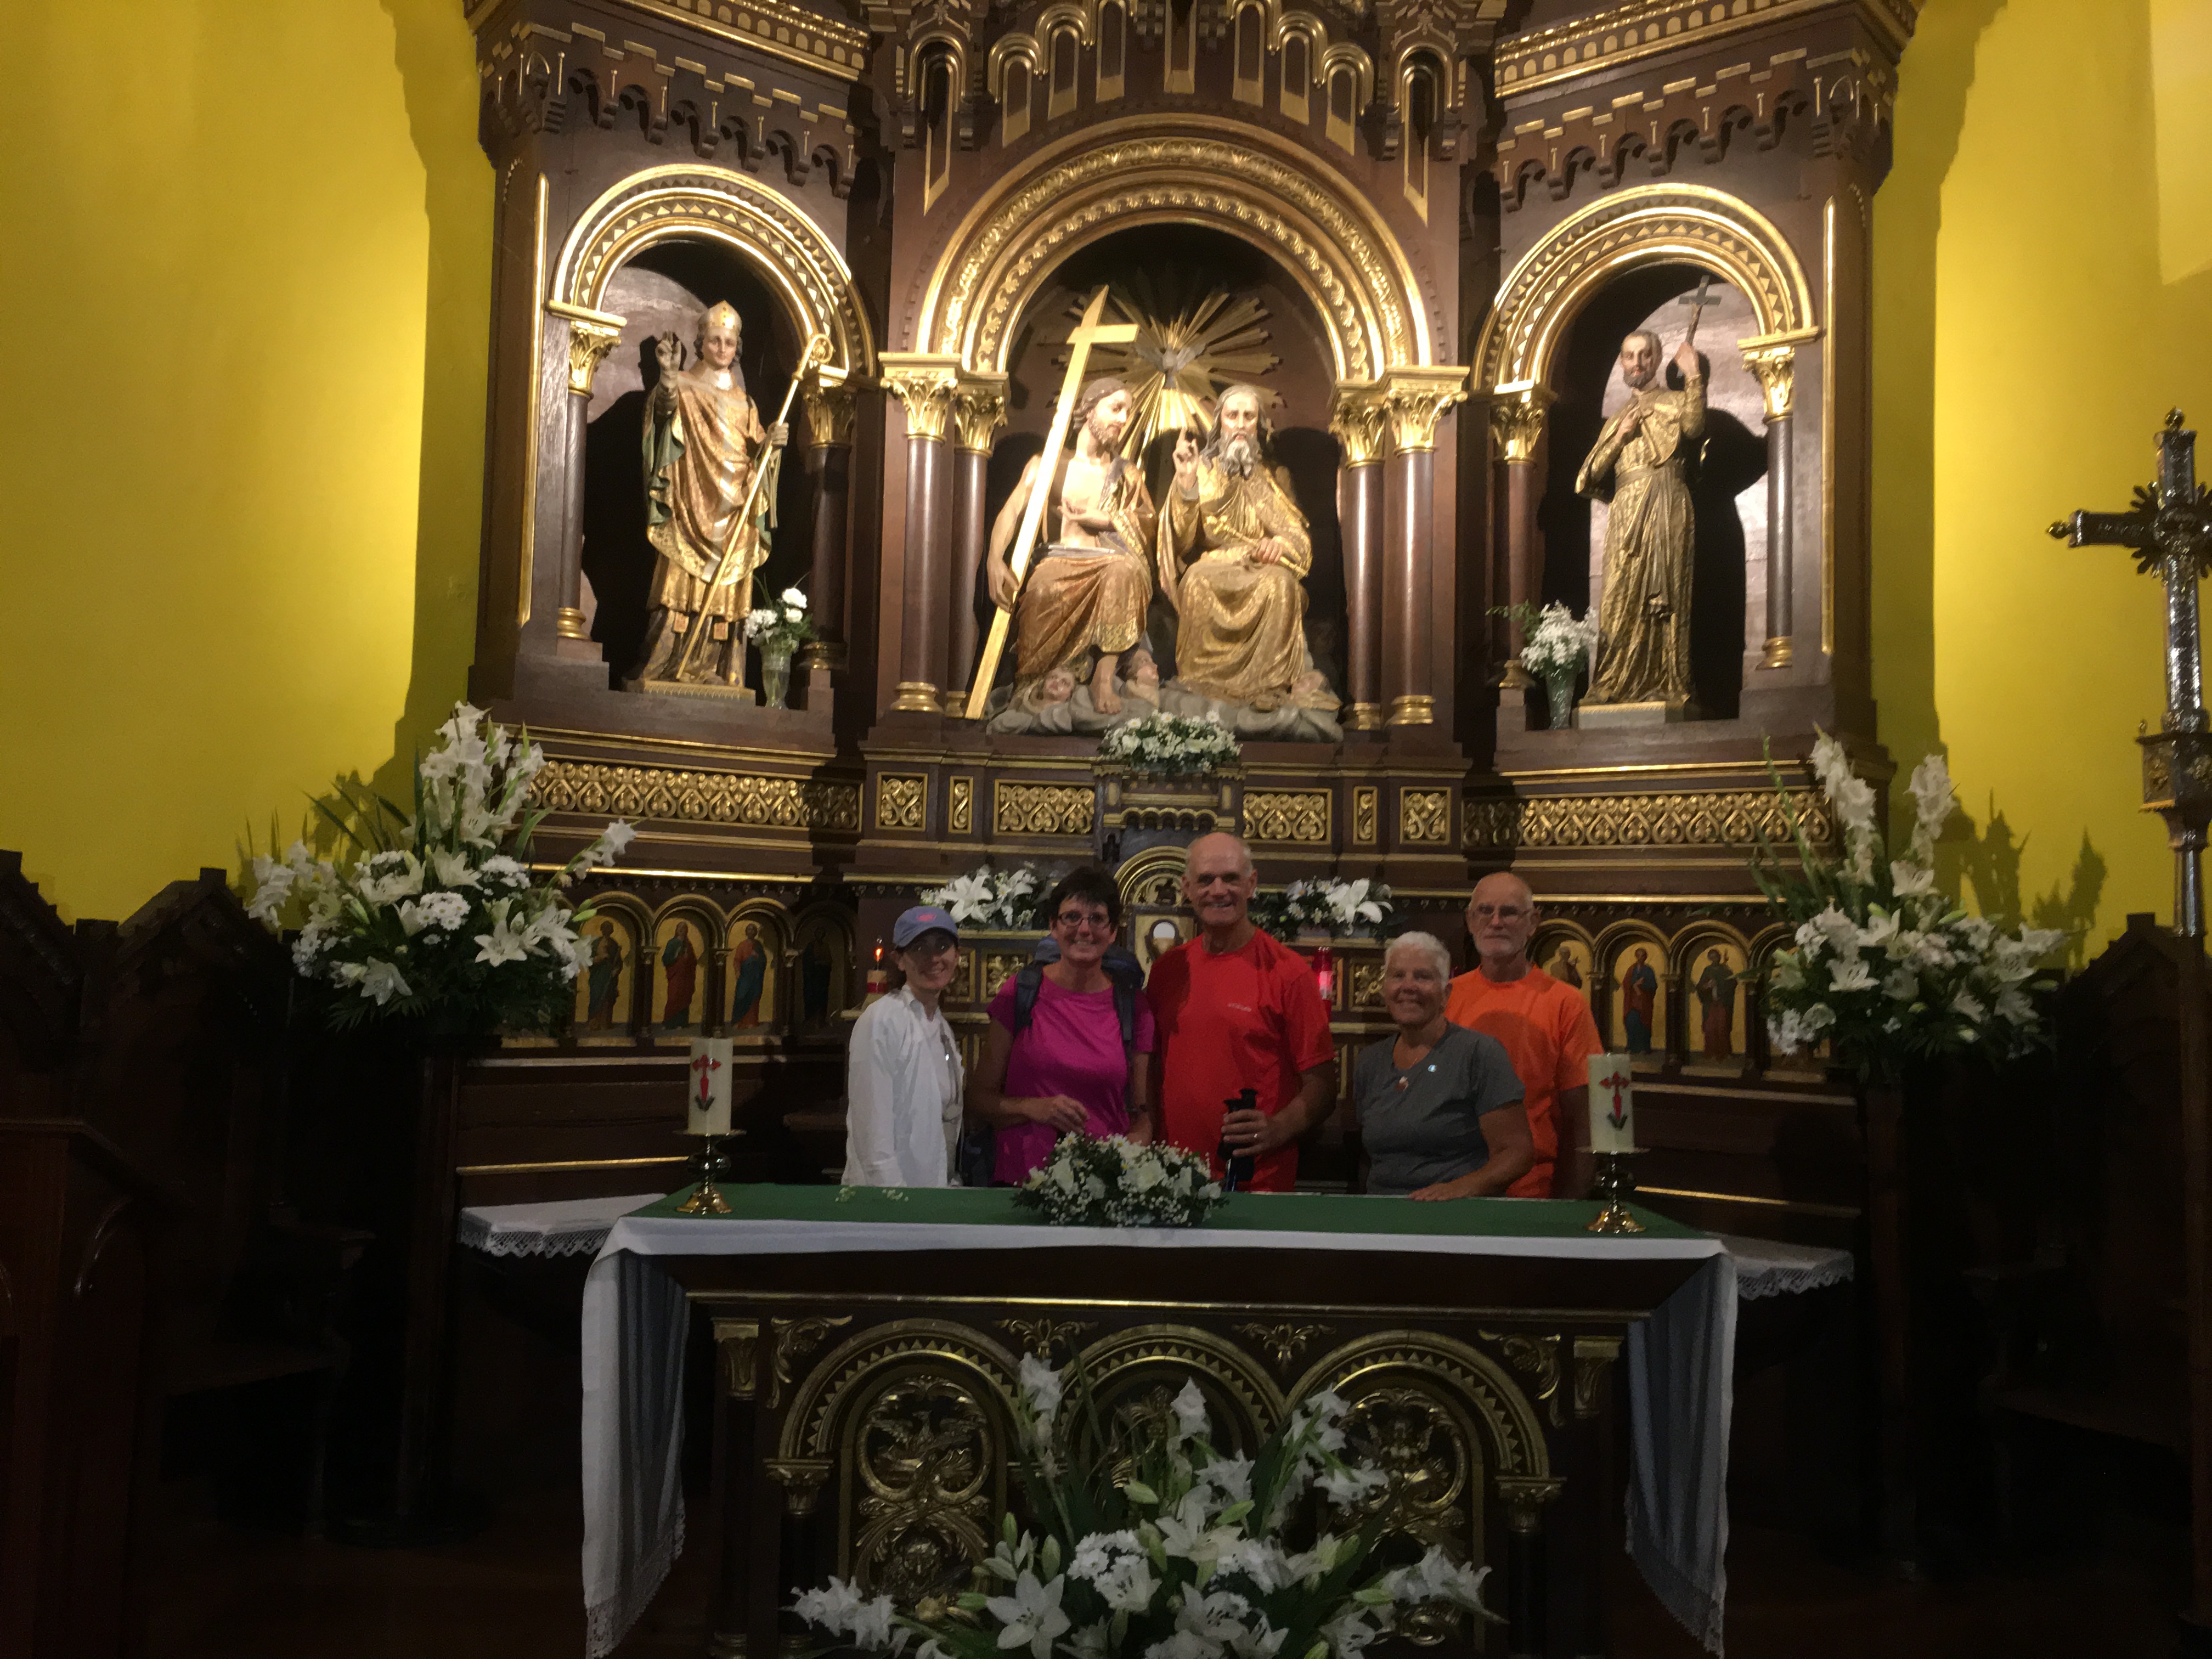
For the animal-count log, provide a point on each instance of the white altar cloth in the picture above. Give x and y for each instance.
(634, 1318)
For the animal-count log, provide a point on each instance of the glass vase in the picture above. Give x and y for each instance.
(1560, 688)
(775, 671)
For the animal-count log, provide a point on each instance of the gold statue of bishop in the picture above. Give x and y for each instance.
(703, 438)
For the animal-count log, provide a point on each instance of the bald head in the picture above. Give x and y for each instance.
(1501, 918)
(1217, 883)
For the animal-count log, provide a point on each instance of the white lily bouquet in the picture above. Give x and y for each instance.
(1884, 968)
(1342, 907)
(786, 625)
(1554, 641)
(1115, 1182)
(1167, 1549)
(1003, 899)
(437, 915)
(1171, 746)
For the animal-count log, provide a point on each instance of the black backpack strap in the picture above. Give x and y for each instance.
(1125, 1005)
(1025, 995)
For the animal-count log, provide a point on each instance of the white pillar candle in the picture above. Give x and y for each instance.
(1612, 1104)
(710, 1079)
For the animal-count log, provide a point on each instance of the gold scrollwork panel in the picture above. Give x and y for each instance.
(902, 800)
(1424, 817)
(1135, 1373)
(684, 795)
(1042, 809)
(1426, 1445)
(1731, 817)
(1298, 816)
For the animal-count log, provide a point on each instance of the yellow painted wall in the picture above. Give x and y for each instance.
(245, 274)
(2028, 345)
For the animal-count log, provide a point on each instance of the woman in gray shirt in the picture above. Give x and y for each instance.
(1440, 1112)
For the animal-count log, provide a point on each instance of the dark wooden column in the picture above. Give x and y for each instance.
(1358, 422)
(1776, 368)
(591, 335)
(979, 410)
(830, 462)
(1415, 399)
(1517, 427)
(924, 385)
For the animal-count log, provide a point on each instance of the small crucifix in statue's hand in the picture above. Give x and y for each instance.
(2169, 530)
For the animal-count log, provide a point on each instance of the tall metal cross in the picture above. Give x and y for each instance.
(1088, 334)
(2169, 530)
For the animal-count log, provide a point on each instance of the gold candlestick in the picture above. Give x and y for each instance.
(706, 1197)
(1617, 1181)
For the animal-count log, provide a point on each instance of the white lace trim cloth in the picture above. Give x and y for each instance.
(1763, 1268)
(569, 1226)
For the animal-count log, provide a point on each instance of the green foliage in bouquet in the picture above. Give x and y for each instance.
(1115, 1182)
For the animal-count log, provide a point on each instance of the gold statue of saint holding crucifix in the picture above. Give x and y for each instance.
(1081, 613)
(1640, 466)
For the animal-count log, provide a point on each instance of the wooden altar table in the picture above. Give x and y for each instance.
(868, 1342)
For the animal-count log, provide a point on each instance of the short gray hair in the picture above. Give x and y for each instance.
(1428, 946)
(1657, 348)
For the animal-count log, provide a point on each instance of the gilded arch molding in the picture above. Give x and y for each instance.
(1517, 1447)
(782, 245)
(1218, 173)
(1652, 224)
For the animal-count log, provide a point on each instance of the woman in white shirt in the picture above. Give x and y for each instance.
(904, 1076)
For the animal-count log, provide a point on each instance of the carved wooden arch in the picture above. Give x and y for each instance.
(1550, 933)
(1350, 56)
(636, 914)
(1628, 230)
(1304, 25)
(1239, 1380)
(1508, 1420)
(785, 248)
(838, 921)
(1141, 874)
(811, 1426)
(774, 920)
(1199, 170)
(1682, 953)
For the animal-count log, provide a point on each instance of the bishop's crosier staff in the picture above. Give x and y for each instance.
(816, 353)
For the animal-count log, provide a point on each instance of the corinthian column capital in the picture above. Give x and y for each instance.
(979, 410)
(1359, 420)
(924, 383)
(592, 335)
(1776, 365)
(1517, 419)
(1415, 399)
(829, 411)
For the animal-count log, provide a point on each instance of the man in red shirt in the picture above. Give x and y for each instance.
(1233, 1009)
(1546, 1027)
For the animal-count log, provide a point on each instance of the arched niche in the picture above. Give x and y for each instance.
(1728, 481)
(664, 286)
(1171, 268)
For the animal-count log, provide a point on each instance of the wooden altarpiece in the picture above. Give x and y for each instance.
(1450, 210)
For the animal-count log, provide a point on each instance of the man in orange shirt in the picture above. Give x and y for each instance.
(1546, 1027)
(1233, 1009)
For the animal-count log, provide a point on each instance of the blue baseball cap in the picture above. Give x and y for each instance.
(913, 924)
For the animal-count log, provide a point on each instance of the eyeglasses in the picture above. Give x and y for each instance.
(1075, 920)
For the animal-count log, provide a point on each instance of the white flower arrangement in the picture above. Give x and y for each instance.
(1553, 640)
(438, 915)
(1179, 1552)
(1171, 746)
(1340, 907)
(1884, 967)
(786, 624)
(1115, 1182)
(984, 897)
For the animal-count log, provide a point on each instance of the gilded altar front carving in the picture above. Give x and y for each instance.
(1424, 817)
(921, 1456)
(795, 1337)
(1283, 1342)
(902, 800)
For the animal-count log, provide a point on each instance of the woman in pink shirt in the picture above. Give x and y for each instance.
(1078, 1063)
